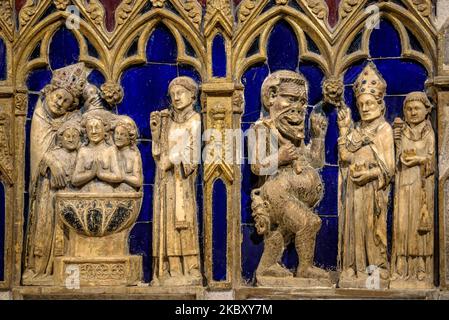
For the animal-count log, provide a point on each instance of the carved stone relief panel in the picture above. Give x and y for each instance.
(85, 189)
(96, 152)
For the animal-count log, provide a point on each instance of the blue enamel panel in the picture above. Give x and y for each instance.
(140, 244)
(351, 103)
(2, 231)
(252, 248)
(161, 47)
(38, 79)
(189, 71)
(353, 72)
(290, 257)
(146, 211)
(329, 205)
(385, 41)
(3, 63)
(252, 80)
(145, 90)
(402, 76)
(218, 56)
(332, 134)
(326, 248)
(219, 230)
(64, 49)
(314, 76)
(249, 181)
(32, 100)
(393, 107)
(282, 48)
(147, 161)
(96, 78)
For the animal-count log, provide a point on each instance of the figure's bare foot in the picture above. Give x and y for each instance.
(275, 270)
(312, 272)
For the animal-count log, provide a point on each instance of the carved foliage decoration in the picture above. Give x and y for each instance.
(318, 8)
(112, 93)
(193, 10)
(347, 7)
(245, 10)
(123, 11)
(6, 14)
(21, 104)
(158, 3)
(6, 161)
(27, 12)
(215, 7)
(95, 11)
(423, 7)
(61, 4)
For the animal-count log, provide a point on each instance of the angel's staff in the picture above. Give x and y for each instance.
(160, 122)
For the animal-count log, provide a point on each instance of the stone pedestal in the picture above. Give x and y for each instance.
(293, 282)
(363, 283)
(73, 272)
(410, 284)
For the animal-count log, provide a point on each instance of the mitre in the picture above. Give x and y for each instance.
(72, 78)
(370, 81)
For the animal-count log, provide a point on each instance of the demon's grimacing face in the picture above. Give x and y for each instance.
(288, 109)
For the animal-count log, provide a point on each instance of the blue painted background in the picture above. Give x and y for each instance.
(219, 231)
(3, 66)
(402, 76)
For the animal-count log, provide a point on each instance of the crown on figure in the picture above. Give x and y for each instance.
(72, 78)
(370, 81)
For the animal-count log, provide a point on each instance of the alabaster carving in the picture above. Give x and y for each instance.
(176, 134)
(367, 166)
(291, 186)
(413, 230)
(85, 192)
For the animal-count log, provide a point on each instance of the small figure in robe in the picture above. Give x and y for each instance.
(97, 168)
(48, 236)
(176, 135)
(413, 230)
(130, 161)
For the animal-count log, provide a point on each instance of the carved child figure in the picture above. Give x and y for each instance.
(97, 168)
(283, 205)
(130, 161)
(176, 134)
(412, 254)
(367, 164)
